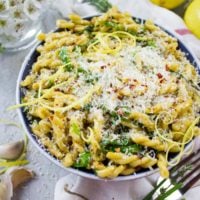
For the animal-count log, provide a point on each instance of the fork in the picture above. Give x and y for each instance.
(182, 177)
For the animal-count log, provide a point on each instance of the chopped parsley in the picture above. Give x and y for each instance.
(75, 129)
(63, 55)
(83, 160)
(122, 144)
(89, 28)
(115, 26)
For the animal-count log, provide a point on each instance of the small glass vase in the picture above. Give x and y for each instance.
(20, 22)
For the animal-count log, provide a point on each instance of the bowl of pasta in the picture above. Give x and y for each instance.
(110, 96)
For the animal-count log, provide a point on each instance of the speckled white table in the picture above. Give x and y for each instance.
(47, 173)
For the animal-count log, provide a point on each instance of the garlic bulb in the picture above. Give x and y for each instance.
(11, 151)
(11, 179)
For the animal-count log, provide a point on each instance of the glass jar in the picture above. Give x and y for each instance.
(20, 22)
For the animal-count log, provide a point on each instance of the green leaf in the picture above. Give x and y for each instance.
(123, 143)
(83, 160)
(87, 107)
(50, 83)
(110, 24)
(81, 70)
(115, 26)
(149, 196)
(117, 142)
(90, 78)
(89, 28)
(2, 49)
(77, 49)
(151, 43)
(63, 55)
(75, 129)
(65, 59)
(177, 186)
(108, 144)
(101, 5)
(134, 148)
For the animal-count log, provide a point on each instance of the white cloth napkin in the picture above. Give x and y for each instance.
(136, 189)
(101, 190)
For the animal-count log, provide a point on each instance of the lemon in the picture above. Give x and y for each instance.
(192, 17)
(170, 4)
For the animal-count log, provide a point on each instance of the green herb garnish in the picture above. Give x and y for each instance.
(83, 160)
(151, 43)
(2, 49)
(89, 28)
(134, 148)
(87, 107)
(75, 129)
(50, 83)
(90, 78)
(101, 5)
(166, 192)
(81, 70)
(115, 26)
(123, 144)
(65, 59)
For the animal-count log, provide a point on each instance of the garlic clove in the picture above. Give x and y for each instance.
(3, 191)
(11, 179)
(20, 175)
(6, 187)
(11, 151)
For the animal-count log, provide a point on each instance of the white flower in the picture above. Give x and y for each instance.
(31, 10)
(13, 3)
(17, 28)
(3, 24)
(17, 12)
(4, 5)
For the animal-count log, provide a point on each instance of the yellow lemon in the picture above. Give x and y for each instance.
(192, 17)
(170, 4)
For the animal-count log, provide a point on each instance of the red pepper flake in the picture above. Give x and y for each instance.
(166, 67)
(115, 89)
(162, 80)
(120, 111)
(131, 86)
(159, 75)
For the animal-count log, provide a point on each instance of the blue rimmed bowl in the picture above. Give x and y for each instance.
(26, 68)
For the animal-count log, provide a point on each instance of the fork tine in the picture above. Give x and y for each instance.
(189, 174)
(192, 159)
(194, 162)
(185, 188)
(186, 159)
